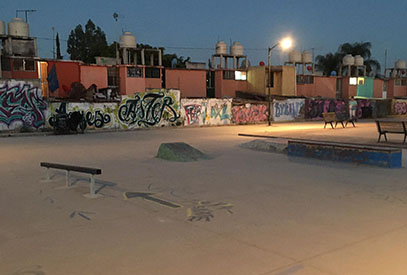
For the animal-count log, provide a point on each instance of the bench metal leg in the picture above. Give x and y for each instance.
(332, 126)
(47, 175)
(68, 178)
(92, 186)
(385, 137)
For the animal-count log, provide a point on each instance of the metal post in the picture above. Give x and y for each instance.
(92, 186)
(268, 85)
(68, 184)
(47, 175)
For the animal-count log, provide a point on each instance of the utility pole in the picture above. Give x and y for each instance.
(53, 42)
(26, 13)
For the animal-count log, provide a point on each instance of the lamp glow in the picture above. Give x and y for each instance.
(286, 43)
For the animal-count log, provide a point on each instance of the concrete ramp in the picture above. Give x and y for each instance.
(180, 151)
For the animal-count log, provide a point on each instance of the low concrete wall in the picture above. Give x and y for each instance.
(249, 113)
(378, 156)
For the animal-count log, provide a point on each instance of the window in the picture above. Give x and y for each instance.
(153, 73)
(5, 64)
(305, 79)
(229, 75)
(353, 81)
(240, 75)
(134, 72)
(401, 82)
(29, 65)
(361, 81)
(18, 64)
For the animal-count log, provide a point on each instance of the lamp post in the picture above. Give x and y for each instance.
(285, 44)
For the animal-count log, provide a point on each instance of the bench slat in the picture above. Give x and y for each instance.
(80, 169)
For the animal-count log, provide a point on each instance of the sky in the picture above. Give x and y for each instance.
(193, 27)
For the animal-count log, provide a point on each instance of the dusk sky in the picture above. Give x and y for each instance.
(197, 25)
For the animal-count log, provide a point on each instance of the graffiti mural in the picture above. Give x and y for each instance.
(155, 108)
(21, 105)
(206, 111)
(192, 114)
(290, 109)
(249, 113)
(315, 107)
(400, 107)
(89, 115)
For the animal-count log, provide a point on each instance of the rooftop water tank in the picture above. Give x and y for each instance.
(17, 27)
(358, 60)
(294, 56)
(221, 48)
(2, 28)
(128, 40)
(236, 49)
(306, 57)
(400, 64)
(348, 60)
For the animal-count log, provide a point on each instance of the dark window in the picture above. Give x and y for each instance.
(152, 73)
(270, 82)
(229, 75)
(5, 64)
(134, 72)
(18, 64)
(29, 64)
(113, 77)
(401, 82)
(305, 79)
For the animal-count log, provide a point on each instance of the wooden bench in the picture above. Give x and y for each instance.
(331, 117)
(71, 168)
(391, 127)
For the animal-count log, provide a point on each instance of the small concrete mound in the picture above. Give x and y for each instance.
(180, 151)
(277, 146)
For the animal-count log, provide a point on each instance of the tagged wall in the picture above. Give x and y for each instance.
(21, 106)
(206, 111)
(154, 108)
(290, 109)
(399, 107)
(315, 107)
(249, 113)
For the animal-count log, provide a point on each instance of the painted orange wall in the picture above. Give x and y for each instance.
(130, 85)
(67, 72)
(325, 86)
(191, 83)
(378, 88)
(153, 83)
(228, 88)
(399, 91)
(348, 90)
(92, 74)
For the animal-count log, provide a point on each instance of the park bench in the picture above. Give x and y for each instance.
(72, 168)
(331, 117)
(391, 127)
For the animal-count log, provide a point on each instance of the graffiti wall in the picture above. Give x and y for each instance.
(21, 106)
(206, 111)
(249, 113)
(314, 108)
(148, 109)
(290, 109)
(399, 107)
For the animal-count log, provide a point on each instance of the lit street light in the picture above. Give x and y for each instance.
(285, 44)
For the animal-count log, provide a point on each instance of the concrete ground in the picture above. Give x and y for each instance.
(241, 212)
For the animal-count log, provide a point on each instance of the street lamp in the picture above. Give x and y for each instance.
(285, 44)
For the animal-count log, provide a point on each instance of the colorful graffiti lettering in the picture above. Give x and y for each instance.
(192, 113)
(288, 109)
(220, 111)
(249, 114)
(147, 110)
(315, 107)
(400, 107)
(21, 102)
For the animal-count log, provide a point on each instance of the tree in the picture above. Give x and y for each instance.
(59, 56)
(86, 44)
(362, 49)
(170, 59)
(331, 62)
(328, 63)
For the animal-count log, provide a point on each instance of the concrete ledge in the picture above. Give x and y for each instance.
(266, 146)
(360, 154)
